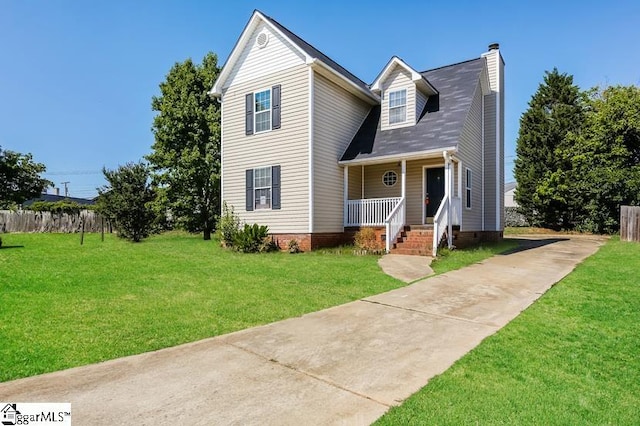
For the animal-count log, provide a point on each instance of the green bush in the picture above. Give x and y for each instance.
(228, 226)
(59, 207)
(251, 238)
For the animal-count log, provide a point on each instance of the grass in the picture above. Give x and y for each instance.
(449, 260)
(64, 305)
(571, 358)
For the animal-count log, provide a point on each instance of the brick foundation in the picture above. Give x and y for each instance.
(308, 242)
(472, 238)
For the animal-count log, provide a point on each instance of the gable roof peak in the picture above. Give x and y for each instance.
(422, 83)
(311, 55)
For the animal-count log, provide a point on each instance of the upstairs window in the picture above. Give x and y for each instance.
(262, 110)
(262, 102)
(398, 106)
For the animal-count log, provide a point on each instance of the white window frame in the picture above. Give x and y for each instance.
(266, 111)
(396, 107)
(468, 183)
(394, 182)
(256, 188)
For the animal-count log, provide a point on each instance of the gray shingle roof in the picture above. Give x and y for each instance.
(315, 53)
(509, 186)
(439, 125)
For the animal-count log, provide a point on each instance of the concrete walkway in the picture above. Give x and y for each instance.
(344, 365)
(406, 268)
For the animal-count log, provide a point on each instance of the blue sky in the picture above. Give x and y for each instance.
(77, 77)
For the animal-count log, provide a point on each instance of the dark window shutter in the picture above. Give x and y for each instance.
(249, 113)
(275, 187)
(249, 205)
(275, 107)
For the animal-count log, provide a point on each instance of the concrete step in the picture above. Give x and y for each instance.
(414, 244)
(411, 252)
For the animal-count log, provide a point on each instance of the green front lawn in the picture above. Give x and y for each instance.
(63, 305)
(572, 358)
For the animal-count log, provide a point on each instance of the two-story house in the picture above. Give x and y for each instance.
(314, 152)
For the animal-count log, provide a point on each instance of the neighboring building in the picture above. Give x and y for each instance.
(314, 152)
(509, 193)
(55, 198)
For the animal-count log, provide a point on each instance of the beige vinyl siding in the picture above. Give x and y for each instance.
(398, 79)
(355, 183)
(470, 154)
(255, 62)
(337, 117)
(374, 188)
(287, 146)
(421, 101)
(490, 145)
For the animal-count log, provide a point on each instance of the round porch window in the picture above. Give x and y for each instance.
(389, 178)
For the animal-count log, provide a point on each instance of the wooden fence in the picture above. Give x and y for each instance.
(31, 221)
(629, 223)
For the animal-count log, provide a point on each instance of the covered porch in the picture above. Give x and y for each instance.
(395, 193)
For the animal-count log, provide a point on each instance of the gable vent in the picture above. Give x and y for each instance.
(262, 40)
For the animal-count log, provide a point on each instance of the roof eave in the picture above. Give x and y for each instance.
(431, 153)
(367, 95)
(254, 21)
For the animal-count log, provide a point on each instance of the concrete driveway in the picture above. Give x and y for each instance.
(344, 365)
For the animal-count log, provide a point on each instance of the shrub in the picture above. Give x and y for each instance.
(251, 238)
(365, 240)
(294, 247)
(0, 242)
(228, 225)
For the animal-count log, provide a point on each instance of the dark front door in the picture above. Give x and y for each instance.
(434, 191)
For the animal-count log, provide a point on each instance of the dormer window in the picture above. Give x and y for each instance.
(398, 106)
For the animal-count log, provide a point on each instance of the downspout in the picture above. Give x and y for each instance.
(311, 112)
(498, 172)
(483, 154)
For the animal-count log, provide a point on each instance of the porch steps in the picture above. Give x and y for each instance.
(415, 241)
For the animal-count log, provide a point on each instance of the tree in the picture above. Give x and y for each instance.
(19, 178)
(186, 153)
(543, 191)
(605, 158)
(127, 200)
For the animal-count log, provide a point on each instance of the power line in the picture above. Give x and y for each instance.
(73, 173)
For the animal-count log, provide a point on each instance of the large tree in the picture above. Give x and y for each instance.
(19, 178)
(186, 152)
(127, 200)
(605, 158)
(555, 111)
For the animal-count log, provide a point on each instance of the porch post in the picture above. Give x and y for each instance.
(448, 180)
(345, 216)
(403, 180)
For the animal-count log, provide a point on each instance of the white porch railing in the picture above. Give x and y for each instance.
(369, 211)
(394, 223)
(441, 221)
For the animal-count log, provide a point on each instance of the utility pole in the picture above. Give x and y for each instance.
(66, 188)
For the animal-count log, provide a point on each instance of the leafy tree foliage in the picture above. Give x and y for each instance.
(19, 178)
(555, 111)
(186, 153)
(605, 158)
(127, 200)
(59, 207)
